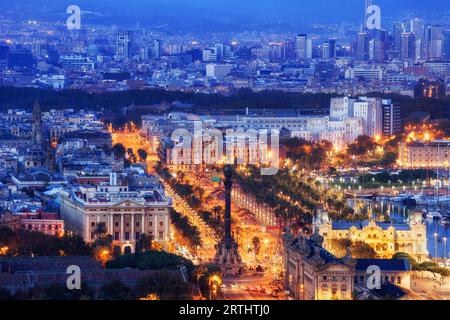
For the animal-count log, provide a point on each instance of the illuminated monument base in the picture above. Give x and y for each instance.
(228, 259)
(227, 255)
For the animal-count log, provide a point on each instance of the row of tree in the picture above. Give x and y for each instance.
(114, 101)
(294, 198)
(185, 228)
(161, 285)
(27, 243)
(194, 196)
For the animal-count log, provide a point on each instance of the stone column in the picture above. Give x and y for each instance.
(228, 185)
(111, 224)
(132, 235)
(122, 236)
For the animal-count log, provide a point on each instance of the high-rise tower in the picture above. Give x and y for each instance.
(301, 43)
(123, 44)
(368, 3)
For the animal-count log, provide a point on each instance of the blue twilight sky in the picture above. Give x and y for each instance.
(296, 9)
(269, 10)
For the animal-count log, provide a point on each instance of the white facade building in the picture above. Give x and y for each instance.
(125, 214)
(218, 71)
(349, 119)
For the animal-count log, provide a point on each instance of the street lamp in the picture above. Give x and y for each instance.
(445, 247)
(435, 244)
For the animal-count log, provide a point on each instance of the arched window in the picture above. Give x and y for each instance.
(127, 250)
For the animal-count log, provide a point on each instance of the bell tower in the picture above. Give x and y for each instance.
(37, 124)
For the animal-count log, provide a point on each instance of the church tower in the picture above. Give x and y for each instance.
(37, 124)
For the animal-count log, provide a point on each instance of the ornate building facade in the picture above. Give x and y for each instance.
(312, 273)
(385, 238)
(122, 213)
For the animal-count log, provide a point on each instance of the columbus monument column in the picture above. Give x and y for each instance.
(227, 254)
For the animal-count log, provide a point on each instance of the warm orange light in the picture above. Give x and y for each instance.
(4, 251)
(377, 138)
(151, 296)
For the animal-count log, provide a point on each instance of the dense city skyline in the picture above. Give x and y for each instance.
(254, 151)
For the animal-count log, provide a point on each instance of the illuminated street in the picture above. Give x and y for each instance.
(247, 228)
(250, 287)
(207, 251)
(131, 137)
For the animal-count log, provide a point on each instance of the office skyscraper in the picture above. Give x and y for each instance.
(446, 51)
(329, 50)
(367, 4)
(301, 46)
(123, 44)
(417, 27)
(362, 46)
(219, 48)
(408, 51)
(157, 49)
(377, 51)
(378, 45)
(422, 52)
(392, 121)
(397, 32)
(289, 49)
(435, 36)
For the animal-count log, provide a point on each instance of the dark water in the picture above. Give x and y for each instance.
(400, 213)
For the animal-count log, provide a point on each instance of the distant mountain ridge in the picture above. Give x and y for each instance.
(200, 12)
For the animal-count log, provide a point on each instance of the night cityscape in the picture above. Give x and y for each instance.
(210, 151)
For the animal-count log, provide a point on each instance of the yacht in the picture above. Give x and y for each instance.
(444, 198)
(445, 221)
(400, 198)
(433, 215)
(424, 200)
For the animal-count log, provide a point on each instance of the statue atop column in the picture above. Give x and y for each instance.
(227, 255)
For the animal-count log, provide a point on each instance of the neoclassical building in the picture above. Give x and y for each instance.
(313, 273)
(386, 239)
(125, 214)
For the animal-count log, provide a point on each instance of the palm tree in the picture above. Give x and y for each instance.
(256, 244)
(144, 243)
(217, 211)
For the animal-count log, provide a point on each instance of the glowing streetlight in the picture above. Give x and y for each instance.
(3, 251)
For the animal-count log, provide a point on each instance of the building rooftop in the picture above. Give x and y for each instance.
(383, 264)
(346, 225)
